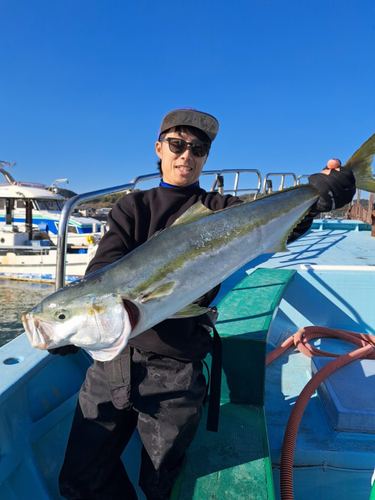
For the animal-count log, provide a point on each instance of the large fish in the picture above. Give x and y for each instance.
(163, 277)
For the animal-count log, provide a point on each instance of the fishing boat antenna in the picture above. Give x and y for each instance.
(6, 174)
(53, 186)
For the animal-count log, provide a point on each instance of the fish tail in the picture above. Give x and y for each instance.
(360, 164)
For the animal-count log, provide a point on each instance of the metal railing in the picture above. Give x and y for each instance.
(300, 177)
(236, 190)
(267, 183)
(62, 239)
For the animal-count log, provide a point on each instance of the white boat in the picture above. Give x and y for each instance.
(35, 260)
(46, 204)
(29, 222)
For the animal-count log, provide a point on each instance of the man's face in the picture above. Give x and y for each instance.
(180, 169)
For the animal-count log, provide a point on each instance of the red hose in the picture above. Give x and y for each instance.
(300, 340)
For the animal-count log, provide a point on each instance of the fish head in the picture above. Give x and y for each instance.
(97, 324)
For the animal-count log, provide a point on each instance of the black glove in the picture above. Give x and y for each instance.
(64, 350)
(336, 189)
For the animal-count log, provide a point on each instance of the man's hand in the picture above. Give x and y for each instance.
(64, 350)
(336, 186)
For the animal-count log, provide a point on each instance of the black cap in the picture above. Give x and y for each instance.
(190, 117)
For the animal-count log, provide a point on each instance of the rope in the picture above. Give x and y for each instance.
(301, 340)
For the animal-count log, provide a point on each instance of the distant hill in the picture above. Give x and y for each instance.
(104, 201)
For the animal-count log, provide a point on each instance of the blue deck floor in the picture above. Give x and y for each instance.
(329, 462)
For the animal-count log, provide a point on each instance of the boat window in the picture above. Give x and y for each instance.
(40, 204)
(51, 205)
(2, 204)
(48, 205)
(20, 204)
(71, 229)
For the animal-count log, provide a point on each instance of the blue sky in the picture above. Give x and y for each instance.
(85, 83)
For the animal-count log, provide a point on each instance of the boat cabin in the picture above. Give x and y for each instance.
(30, 206)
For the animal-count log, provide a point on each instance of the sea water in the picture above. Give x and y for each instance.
(17, 297)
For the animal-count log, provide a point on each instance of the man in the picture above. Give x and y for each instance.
(157, 383)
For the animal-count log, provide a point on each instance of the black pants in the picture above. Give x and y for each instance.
(166, 398)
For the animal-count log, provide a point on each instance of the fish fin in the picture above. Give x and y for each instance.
(190, 310)
(360, 165)
(195, 212)
(161, 291)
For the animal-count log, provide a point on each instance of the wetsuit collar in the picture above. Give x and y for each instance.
(165, 184)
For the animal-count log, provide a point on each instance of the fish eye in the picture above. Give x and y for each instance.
(62, 315)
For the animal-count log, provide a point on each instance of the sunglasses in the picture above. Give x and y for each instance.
(179, 146)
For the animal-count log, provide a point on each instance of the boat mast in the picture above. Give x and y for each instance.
(6, 174)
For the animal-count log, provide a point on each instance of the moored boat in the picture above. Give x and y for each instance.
(32, 256)
(30, 205)
(29, 222)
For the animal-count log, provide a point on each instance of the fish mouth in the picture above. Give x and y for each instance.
(133, 312)
(34, 332)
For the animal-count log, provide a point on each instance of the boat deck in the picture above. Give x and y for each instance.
(329, 243)
(327, 278)
(333, 287)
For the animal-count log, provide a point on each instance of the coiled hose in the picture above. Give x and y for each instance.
(300, 340)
